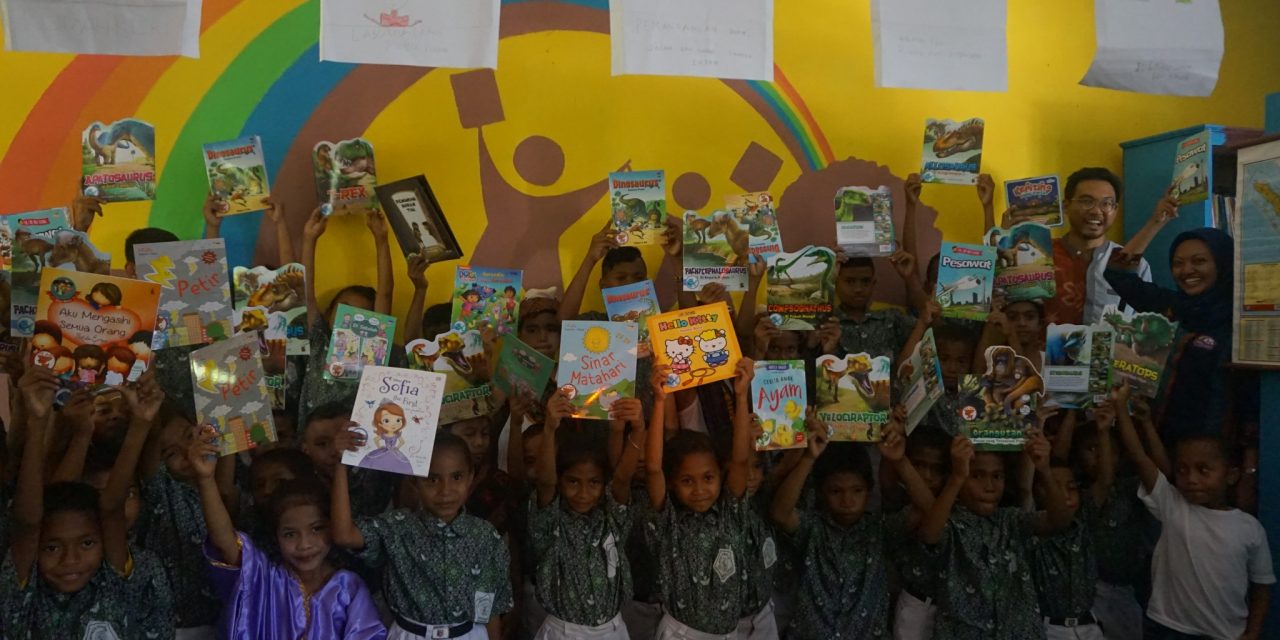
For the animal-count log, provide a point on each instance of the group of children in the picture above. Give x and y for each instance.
(662, 522)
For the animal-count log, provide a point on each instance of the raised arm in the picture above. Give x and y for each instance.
(311, 232)
(905, 265)
(603, 240)
(144, 400)
(212, 222)
(1056, 516)
(1142, 421)
(893, 450)
(745, 323)
(558, 408)
(986, 188)
(343, 527)
(37, 387)
(655, 482)
(1148, 472)
(76, 415)
(386, 275)
(1166, 209)
(1066, 431)
(783, 510)
(1106, 421)
(83, 210)
(203, 455)
(743, 419)
(935, 519)
(910, 243)
(627, 412)
(417, 264)
(518, 406)
(929, 314)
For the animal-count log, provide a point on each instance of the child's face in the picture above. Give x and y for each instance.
(303, 536)
(475, 432)
(1203, 474)
(70, 550)
(175, 439)
(266, 477)
(696, 484)
(448, 483)
(1066, 484)
(1025, 319)
(110, 414)
(955, 358)
(854, 286)
(985, 486)
(1089, 456)
(542, 332)
(581, 486)
(784, 347)
(317, 442)
(931, 464)
(844, 496)
(755, 473)
(532, 445)
(624, 273)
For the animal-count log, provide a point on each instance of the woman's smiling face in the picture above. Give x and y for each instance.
(1193, 267)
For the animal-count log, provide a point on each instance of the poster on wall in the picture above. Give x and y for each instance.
(1257, 255)
(426, 33)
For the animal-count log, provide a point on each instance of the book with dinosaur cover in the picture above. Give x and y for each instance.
(864, 221)
(398, 413)
(633, 303)
(953, 151)
(966, 275)
(597, 365)
(238, 174)
(452, 353)
(1191, 169)
(999, 406)
(417, 220)
(716, 249)
(275, 303)
(522, 369)
(1077, 364)
(32, 237)
(360, 339)
(698, 344)
(1024, 261)
(118, 161)
(1035, 200)
(346, 176)
(1143, 342)
(230, 389)
(195, 293)
(853, 396)
(920, 378)
(756, 212)
(801, 288)
(93, 329)
(779, 395)
(638, 200)
(484, 296)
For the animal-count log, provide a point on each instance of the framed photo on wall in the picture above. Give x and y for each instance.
(417, 221)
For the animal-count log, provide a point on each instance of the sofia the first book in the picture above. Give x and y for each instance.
(397, 411)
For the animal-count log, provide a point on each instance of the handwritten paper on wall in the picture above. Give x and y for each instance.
(1166, 47)
(701, 38)
(940, 44)
(111, 27)
(432, 33)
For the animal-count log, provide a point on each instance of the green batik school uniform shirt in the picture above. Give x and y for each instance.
(1118, 528)
(172, 527)
(881, 333)
(137, 605)
(438, 572)
(844, 590)
(987, 590)
(913, 562)
(761, 551)
(582, 574)
(1065, 570)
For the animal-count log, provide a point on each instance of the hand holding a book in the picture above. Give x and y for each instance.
(559, 407)
(893, 445)
(83, 210)
(604, 240)
(961, 454)
(819, 434)
(144, 397)
(745, 372)
(1037, 450)
(203, 453)
(347, 439)
(377, 224)
(764, 334)
(905, 264)
(931, 314)
(417, 264)
(626, 411)
(827, 336)
(673, 236)
(658, 381)
(77, 411)
(986, 190)
(712, 292)
(912, 186)
(315, 225)
(37, 387)
(1166, 209)
(212, 210)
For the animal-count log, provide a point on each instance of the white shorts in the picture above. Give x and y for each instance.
(1082, 632)
(556, 629)
(671, 629)
(641, 619)
(1118, 611)
(477, 632)
(913, 619)
(761, 626)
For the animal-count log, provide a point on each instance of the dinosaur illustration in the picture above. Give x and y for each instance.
(283, 293)
(355, 161)
(826, 288)
(725, 224)
(71, 247)
(34, 247)
(105, 141)
(629, 208)
(1147, 333)
(966, 137)
(697, 226)
(252, 320)
(451, 349)
(852, 205)
(859, 371)
(235, 182)
(781, 269)
(833, 369)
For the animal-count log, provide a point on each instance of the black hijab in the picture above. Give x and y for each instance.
(1211, 311)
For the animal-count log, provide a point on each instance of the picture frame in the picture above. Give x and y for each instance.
(417, 220)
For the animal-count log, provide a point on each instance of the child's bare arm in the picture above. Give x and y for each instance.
(413, 318)
(203, 454)
(558, 408)
(655, 482)
(345, 532)
(1151, 437)
(744, 322)
(386, 274)
(1148, 472)
(284, 240)
(912, 187)
(931, 312)
(1056, 516)
(311, 232)
(225, 477)
(627, 412)
(740, 461)
(1259, 602)
(77, 415)
(1101, 489)
(986, 195)
(783, 510)
(144, 401)
(935, 519)
(893, 450)
(1066, 434)
(37, 387)
(905, 264)
(604, 240)
(212, 223)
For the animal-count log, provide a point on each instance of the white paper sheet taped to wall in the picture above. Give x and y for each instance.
(426, 33)
(700, 38)
(941, 44)
(111, 27)
(1167, 47)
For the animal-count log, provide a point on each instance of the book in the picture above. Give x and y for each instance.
(1143, 342)
(966, 275)
(360, 339)
(195, 292)
(230, 391)
(484, 296)
(398, 413)
(920, 378)
(997, 407)
(32, 238)
(716, 249)
(1077, 364)
(801, 287)
(1024, 261)
(853, 396)
(118, 161)
(1035, 200)
(93, 329)
(451, 354)
(638, 200)
(698, 344)
(417, 220)
(633, 303)
(864, 221)
(346, 176)
(275, 303)
(779, 395)
(522, 369)
(1191, 169)
(597, 365)
(757, 213)
(238, 174)
(953, 151)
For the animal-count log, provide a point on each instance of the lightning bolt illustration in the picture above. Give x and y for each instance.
(164, 272)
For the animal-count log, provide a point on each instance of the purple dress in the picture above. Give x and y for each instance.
(262, 599)
(388, 458)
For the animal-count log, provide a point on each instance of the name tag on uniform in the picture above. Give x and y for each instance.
(724, 565)
(484, 607)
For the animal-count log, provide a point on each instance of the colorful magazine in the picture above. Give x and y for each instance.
(238, 174)
(757, 213)
(966, 275)
(522, 369)
(953, 151)
(597, 365)
(1024, 261)
(1035, 200)
(864, 221)
(780, 397)
(33, 236)
(398, 411)
(698, 344)
(1077, 364)
(638, 200)
(483, 296)
(94, 329)
(360, 339)
(451, 353)
(195, 294)
(716, 249)
(118, 161)
(633, 303)
(801, 288)
(920, 378)
(275, 303)
(346, 176)
(853, 396)
(417, 221)
(998, 407)
(1191, 169)
(230, 392)
(1142, 346)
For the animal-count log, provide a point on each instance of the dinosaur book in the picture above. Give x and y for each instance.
(360, 339)
(920, 378)
(417, 220)
(43, 239)
(779, 395)
(800, 287)
(953, 151)
(999, 406)
(230, 390)
(454, 353)
(757, 213)
(698, 344)
(483, 296)
(864, 221)
(716, 249)
(1024, 261)
(398, 413)
(346, 176)
(275, 303)
(237, 175)
(195, 292)
(638, 201)
(633, 303)
(522, 369)
(853, 396)
(118, 161)
(1143, 342)
(1191, 169)
(966, 275)
(597, 365)
(1035, 200)
(1077, 364)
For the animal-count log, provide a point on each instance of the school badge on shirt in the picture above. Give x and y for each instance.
(484, 606)
(724, 565)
